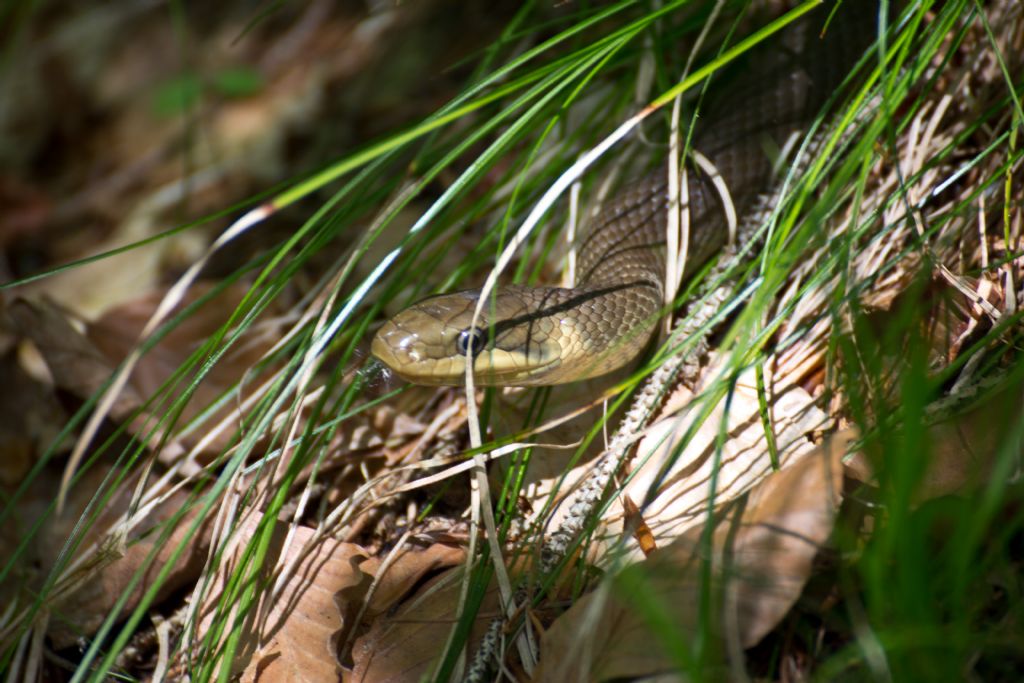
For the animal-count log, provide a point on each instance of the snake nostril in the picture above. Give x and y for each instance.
(471, 340)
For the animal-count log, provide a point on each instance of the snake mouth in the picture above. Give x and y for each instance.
(503, 368)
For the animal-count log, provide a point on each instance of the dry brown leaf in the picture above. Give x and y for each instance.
(30, 420)
(291, 636)
(117, 333)
(81, 364)
(296, 635)
(964, 448)
(30, 507)
(405, 572)
(674, 500)
(762, 552)
(105, 578)
(92, 288)
(75, 363)
(404, 646)
(299, 639)
(676, 487)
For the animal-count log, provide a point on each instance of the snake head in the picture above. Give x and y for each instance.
(511, 343)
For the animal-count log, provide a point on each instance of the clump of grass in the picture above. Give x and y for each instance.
(868, 243)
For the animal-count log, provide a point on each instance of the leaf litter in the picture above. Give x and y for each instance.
(382, 608)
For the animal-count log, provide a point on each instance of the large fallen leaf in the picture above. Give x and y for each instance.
(402, 574)
(295, 632)
(965, 447)
(116, 334)
(83, 363)
(405, 646)
(762, 550)
(30, 420)
(75, 363)
(114, 562)
(671, 483)
(673, 488)
(290, 635)
(91, 288)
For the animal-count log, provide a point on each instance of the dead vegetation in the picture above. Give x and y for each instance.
(200, 479)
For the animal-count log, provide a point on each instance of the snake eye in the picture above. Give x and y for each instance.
(472, 340)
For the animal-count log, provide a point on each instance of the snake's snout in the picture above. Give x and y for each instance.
(393, 346)
(403, 351)
(418, 345)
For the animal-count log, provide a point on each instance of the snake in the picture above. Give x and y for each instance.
(533, 336)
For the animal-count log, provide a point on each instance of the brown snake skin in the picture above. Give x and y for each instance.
(550, 335)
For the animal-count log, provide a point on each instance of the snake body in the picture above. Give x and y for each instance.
(551, 335)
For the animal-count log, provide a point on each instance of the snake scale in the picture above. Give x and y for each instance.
(550, 335)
